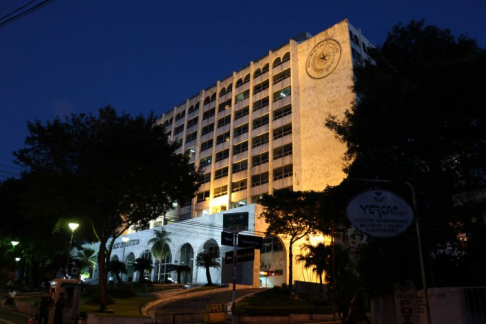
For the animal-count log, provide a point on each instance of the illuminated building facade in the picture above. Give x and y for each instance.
(257, 130)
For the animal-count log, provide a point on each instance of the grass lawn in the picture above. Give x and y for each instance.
(125, 307)
(201, 288)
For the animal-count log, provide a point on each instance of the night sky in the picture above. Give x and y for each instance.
(141, 56)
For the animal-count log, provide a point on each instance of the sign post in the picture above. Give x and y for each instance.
(235, 223)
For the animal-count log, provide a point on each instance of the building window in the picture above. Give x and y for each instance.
(242, 96)
(239, 185)
(282, 112)
(282, 172)
(286, 57)
(205, 178)
(229, 88)
(221, 155)
(260, 121)
(207, 129)
(220, 191)
(285, 92)
(192, 122)
(190, 151)
(180, 115)
(213, 97)
(202, 196)
(240, 203)
(240, 166)
(168, 122)
(257, 73)
(260, 104)
(282, 131)
(223, 138)
(239, 148)
(206, 145)
(256, 199)
(224, 105)
(246, 79)
(260, 87)
(222, 92)
(209, 113)
(259, 179)
(260, 140)
(178, 141)
(205, 161)
(207, 100)
(191, 137)
(265, 68)
(224, 121)
(243, 129)
(271, 244)
(277, 62)
(194, 108)
(259, 159)
(281, 76)
(242, 112)
(179, 129)
(239, 83)
(220, 173)
(282, 151)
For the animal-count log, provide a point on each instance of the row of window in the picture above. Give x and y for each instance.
(242, 165)
(242, 184)
(259, 104)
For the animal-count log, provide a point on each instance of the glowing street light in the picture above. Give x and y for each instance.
(73, 227)
(14, 243)
(17, 259)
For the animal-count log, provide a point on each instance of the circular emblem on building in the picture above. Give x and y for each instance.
(323, 58)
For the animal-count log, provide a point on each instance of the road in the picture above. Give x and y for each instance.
(12, 318)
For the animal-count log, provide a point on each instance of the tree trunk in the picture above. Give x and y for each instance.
(102, 276)
(291, 257)
(208, 276)
(320, 283)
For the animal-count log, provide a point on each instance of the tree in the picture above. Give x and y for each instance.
(316, 258)
(179, 269)
(419, 118)
(116, 267)
(111, 171)
(160, 248)
(207, 260)
(142, 265)
(86, 258)
(291, 214)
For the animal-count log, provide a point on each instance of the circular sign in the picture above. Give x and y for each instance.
(379, 213)
(323, 58)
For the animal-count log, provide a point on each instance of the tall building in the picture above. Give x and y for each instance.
(262, 127)
(257, 130)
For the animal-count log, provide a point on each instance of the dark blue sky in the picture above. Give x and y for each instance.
(142, 56)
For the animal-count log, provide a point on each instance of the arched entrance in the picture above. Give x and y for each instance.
(146, 272)
(272, 262)
(129, 264)
(161, 266)
(187, 259)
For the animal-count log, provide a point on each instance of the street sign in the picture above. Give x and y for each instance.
(235, 222)
(227, 238)
(379, 213)
(242, 255)
(248, 240)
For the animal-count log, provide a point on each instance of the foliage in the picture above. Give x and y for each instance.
(419, 118)
(291, 214)
(179, 269)
(317, 258)
(116, 267)
(142, 265)
(87, 258)
(207, 260)
(160, 247)
(90, 176)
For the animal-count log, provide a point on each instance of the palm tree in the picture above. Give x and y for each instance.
(141, 265)
(160, 248)
(179, 269)
(317, 258)
(117, 267)
(207, 260)
(87, 259)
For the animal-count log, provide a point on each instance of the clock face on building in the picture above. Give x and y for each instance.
(323, 58)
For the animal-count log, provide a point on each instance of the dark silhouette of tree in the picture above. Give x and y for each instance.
(419, 118)
(142, 265)
(109, 171)
(160, 247)
(86, 258)
(316, 257)
(207, 260)
(291, 214)
(179, 269)
(117, 267)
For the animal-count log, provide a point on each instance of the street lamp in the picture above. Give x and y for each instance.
(14, 243)
(17, 259)
(73, 227)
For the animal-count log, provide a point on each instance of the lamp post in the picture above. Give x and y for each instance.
(73, 227)
(14, 243)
